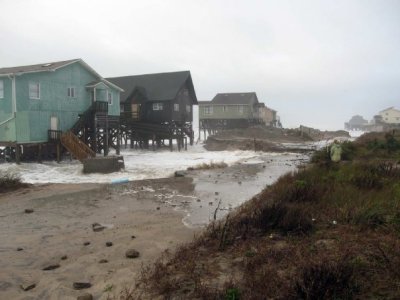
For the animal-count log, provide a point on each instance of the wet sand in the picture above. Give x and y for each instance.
(159, 213)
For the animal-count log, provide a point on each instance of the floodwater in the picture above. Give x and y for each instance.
(216, 191)
(226, 189)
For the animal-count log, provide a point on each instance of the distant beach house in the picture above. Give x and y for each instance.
(36, 100)
(157, 106)
(356, 122)
(390, 116)
(268, 115)
(234, 110)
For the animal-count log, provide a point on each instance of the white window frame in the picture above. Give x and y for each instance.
(71, 93)
(224, 108)
(188, 109)
(241, 109)
(109, 98)
(31, 86)
(208, 110)
(176, 106)
(1, 89)
(157, 106)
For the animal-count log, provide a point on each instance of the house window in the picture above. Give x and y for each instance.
(109, 98)
(157, 106)
(71, 92)
(208, 110)
(176, 106)
(1, 89)
(34, 90)
(188, 109)
(240, 109)
(224, 108)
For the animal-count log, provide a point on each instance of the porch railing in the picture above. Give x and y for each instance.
(54, 135)
(100, 106)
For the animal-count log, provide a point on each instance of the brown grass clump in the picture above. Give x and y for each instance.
(10, 182)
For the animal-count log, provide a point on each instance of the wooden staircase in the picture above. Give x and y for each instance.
(76, 147)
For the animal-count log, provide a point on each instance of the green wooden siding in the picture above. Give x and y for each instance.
(6, 102)
(33, 115)
(7, 131)
(226, 111)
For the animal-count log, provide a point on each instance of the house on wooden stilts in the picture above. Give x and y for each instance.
(48, 108)
(156, 109)
(227, 111)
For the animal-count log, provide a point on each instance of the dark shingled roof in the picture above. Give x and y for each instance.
(235, 98)
(37, 68)
(156, 87)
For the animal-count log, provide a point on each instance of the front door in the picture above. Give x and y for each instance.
(135, 111)
(54, 123)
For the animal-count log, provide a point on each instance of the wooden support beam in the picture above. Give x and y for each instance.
(39, 158)
(17, 154)
(118, 140)
(58, 149)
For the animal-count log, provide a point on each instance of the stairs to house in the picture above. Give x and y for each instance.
(76, 147)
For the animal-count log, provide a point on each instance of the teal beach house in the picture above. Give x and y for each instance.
(38, 103)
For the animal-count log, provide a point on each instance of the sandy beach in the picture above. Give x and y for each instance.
(53, 226)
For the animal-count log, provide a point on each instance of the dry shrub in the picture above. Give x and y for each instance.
(326, 280)
(10, 182)
(287, 219)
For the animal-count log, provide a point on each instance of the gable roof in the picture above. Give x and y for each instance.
(51, 67)
(235, 98)
(390, 108)
(204, 102)
(156, 87)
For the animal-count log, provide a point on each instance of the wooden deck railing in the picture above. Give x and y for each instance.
(54, 135)
(100, 106)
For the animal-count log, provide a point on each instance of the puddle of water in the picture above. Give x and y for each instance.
(234, 187)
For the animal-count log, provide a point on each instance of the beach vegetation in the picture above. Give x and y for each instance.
(326, 231)
(10, 182)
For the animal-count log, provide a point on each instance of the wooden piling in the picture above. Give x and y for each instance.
(17, 154)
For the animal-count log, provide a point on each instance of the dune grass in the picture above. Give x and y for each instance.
(326, 231)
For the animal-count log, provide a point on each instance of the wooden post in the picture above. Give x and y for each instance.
(118, 140)
(105, 141)
(17, 154)
(58, 152)
(170, 144)
(185, 143)
(39, 158)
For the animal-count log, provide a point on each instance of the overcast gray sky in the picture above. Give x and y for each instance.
(316, 62)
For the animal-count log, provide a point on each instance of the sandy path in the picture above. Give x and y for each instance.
(62, 222)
